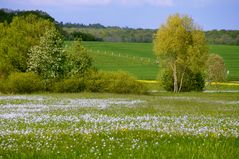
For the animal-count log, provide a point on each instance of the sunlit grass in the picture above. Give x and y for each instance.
(86, 125)
(139, 59)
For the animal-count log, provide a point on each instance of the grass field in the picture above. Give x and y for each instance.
(165, 125)
(139, 60)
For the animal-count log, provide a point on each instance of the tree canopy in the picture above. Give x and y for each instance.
(181, 45)
(17, 38)
(78, 60)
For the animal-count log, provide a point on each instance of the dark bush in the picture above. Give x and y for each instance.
(72, 85)
(23, 83)
(191, 82)
(167, 80)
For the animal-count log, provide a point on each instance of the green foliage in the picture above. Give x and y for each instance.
(166, 80)
(192, 81)
(80, 35)
(77, 60)
(5, 67)
(23, 83)
(71, 85)
(180, 46)
(228, 37)
(3, 86)
(17, 38)
(121, 82)
(98, 32)
(7, 15)
(47, 59)
(112, 34)
(113, 82)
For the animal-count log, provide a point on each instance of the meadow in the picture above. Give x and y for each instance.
(87, 125)
(139, 60)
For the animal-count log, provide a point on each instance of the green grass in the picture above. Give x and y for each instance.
(139, 60)
(92, 125)
(135, 58)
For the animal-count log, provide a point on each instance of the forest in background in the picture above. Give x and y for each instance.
(99, 32)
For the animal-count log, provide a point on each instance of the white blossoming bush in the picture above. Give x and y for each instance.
(47, 59)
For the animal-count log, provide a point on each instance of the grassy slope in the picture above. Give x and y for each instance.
(138, 58)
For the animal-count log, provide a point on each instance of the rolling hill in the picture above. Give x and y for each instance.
(139, 60)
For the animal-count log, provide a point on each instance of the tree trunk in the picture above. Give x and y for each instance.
(175, 79)
(181, 81)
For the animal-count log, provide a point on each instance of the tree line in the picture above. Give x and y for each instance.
(99, 32)
(117, 34)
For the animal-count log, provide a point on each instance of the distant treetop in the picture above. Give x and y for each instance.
(6, 15)
(99, 32)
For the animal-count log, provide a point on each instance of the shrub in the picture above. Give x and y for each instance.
(192, 81)
(23, 83)
(96, 82)
(71, 85)
(117, 82)
(47, 58)
(78, 61)
(167, 80)
(122, 82)
(3, 85)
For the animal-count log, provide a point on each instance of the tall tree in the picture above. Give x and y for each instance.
(180, 45)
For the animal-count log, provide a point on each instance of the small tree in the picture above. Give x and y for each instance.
(47, 59)
(77, 60)
(216, 69)
(180, 46)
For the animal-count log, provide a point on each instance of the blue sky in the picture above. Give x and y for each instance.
(209, 14)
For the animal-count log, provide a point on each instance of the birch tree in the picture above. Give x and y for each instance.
(180, 45)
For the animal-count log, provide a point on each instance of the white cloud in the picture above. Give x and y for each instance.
(92, 2)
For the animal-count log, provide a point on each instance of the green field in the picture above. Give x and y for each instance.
(165, 125)
(139, 60)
